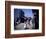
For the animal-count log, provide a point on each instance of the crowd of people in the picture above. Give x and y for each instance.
(28, 22)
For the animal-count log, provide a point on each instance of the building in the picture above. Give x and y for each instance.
(36, 18)
(18, 16)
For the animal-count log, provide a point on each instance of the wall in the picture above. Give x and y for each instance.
(2, 19)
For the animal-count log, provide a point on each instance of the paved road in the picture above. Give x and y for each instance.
(21, 26)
